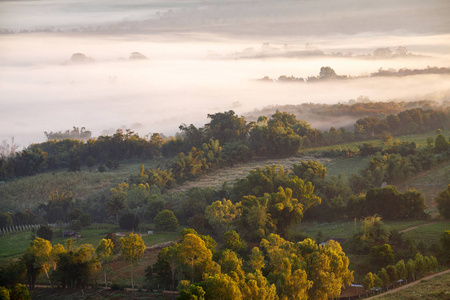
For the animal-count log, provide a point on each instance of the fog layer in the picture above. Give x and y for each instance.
(192, 68)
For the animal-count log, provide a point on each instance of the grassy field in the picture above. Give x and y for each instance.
(13, 245)
(420, 139)
(27, 192)
(430, 233)
(427, 231)
(435, 288)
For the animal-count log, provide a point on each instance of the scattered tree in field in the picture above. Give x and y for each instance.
(374, 230)
(129, 221)
(45, 232)
(104, 253)
(132, 250)
(41, 249)
(165, 220)
(117, 201)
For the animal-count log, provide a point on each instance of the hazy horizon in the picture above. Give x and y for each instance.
(194, 65)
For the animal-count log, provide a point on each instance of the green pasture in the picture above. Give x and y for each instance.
(420, 139)
(430, 233)
(427, 231)
(12, 245)
(346, 166)
(28, 192)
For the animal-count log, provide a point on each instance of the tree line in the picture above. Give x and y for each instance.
(228, 139)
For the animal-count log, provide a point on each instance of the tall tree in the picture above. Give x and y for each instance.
(192, 252)
(42, 248)
(104, 252)
(132, 250)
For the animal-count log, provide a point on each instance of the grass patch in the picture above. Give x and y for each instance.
(28, 192)
(345, 229)
(434, 288)
(430, 233)
(346, 166)
(13, 245)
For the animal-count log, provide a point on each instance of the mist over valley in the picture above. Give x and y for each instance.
(202, 57)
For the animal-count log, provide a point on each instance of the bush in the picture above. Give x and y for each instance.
(45, 232)
(4, 293)
(165, 220)
(129, 221)
(20, 292)
(115, 241)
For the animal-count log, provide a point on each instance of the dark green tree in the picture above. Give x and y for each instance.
(443, 202)
(165, 220)
(129, 221)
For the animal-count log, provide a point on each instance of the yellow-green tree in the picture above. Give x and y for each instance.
(220, 214)
(104, 251)
(117, 202)
(193, 252)
(42, 249)
(258, 288)
(369, 281)
(222, 287)
(327, 268)
(132, 250)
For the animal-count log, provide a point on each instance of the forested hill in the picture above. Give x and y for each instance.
(227, 139)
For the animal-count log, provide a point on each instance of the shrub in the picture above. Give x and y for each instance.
(20, 292)
(4, 293)
(45, 232)
(165, 220)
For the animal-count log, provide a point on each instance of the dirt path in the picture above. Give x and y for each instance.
(409, 284)
(218, 177)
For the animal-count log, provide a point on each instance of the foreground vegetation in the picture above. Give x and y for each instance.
(270, 233)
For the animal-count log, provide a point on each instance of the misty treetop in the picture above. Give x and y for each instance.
(327, 73)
